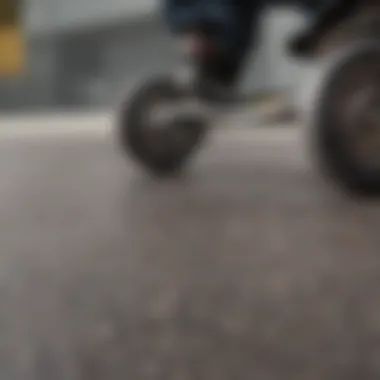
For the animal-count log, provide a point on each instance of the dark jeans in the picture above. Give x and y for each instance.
(232, 24)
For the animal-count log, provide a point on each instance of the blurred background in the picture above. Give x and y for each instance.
(82, 54)
(247, 267)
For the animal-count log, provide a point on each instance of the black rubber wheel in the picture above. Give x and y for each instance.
(346, 120)
(162, 150)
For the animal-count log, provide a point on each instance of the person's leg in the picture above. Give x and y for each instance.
(220, 36)
(226, 66)
(200, 19)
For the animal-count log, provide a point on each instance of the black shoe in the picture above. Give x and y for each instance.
(303, 45)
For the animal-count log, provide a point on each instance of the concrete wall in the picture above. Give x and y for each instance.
(36, 88)
(95, 64)
(44, 17)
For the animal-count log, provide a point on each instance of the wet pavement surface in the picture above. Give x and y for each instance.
(248, 267)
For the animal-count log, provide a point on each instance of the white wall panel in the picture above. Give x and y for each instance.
(47, 16)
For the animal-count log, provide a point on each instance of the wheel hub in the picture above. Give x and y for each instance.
(170, 124)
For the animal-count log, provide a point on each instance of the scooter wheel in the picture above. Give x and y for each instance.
(346, 120)
(155, 131)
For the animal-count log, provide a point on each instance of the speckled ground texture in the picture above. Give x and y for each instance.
(249, 266)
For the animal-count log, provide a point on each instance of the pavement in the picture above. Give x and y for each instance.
(249, 266)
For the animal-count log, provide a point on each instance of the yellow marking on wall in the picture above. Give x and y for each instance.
(12, 51)
(12, 44)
